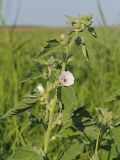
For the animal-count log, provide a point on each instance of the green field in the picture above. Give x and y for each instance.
(18, 49)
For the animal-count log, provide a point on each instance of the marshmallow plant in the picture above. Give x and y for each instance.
(66, 130)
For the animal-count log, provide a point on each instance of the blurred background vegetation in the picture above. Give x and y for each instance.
(19, 46)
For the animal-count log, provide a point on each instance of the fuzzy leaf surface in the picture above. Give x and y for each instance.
(24, 105)
(92, 31)
(31, 75)
(89, 55)
(49, 48)
(69, 100)
(73, 151)
(23, 153)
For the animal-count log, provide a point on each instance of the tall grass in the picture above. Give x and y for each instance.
(101, 12)
(16, 59)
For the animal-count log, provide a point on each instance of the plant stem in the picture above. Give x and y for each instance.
(47, 105)
(63, 66)
(101, 135)
(48, 132)
(96, 148)
(64, 63)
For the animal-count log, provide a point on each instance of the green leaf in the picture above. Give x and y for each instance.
(81, 112)
(31, 75)
(69, 100)
(111, 154)
(10, 158)
(92, 31)
(23, 153)
(70, 19)
(115, 96)
(104, 154)
(50, 47)
(89, 55)
(116, 121)
(85, 156)
(73, 151)
(78, 41)
(81, 118)
(36, 119)
(116, 136)
(69, 131)
(92, 132)
(85, 52)
(72, 40)
(24, 105)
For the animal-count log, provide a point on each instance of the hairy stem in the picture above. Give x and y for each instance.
(47, 105)
(48, 132)
(63, 66)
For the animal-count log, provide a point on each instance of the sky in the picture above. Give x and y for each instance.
(52, 12)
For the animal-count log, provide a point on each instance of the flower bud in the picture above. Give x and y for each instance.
(40, 89)
(53, 138)
(53, 102)
(63, 36)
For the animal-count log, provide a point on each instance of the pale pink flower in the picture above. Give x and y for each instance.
(66, 78)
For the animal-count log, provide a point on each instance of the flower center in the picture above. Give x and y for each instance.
(65, 80)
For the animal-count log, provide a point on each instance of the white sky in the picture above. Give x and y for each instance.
(51, 12)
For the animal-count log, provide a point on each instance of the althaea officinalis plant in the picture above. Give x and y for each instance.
(67, 131)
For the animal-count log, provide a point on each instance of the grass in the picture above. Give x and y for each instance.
(93, 86)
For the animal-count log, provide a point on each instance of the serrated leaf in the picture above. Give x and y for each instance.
(69, 100)
(23, 153)
(49, 48)
(31, 75)
(92, 31)
(24, 105)
(70, 19)
(72, 40)
(74, 150)
(81, 112)
(81, 118)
